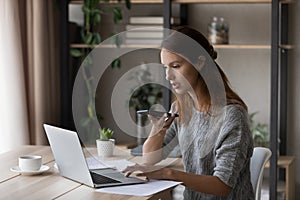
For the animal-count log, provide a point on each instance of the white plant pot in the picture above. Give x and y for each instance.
(105, 148)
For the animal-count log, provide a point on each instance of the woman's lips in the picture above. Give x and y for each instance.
(175, 85)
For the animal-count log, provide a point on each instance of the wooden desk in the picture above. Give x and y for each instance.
(50, 185)
(287, 163)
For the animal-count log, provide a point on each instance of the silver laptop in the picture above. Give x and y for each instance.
(72, 164)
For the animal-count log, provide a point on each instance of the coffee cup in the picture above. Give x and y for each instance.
(30, 162)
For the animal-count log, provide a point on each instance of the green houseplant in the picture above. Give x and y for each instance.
(106, 134)
(259, 131)
(105, 144)
(89, 37)
(147, 94)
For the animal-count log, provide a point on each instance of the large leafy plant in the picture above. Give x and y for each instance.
(90, 37)
(92, 18)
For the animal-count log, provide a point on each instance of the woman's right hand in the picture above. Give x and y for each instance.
(161, 123)
(138, 168)
(165, 121)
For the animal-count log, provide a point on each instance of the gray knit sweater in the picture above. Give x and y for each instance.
(219, 145)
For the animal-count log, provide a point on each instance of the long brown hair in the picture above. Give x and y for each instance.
(178, 44)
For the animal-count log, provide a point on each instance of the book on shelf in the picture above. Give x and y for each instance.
(144, 34)
(144, 26)
(151, 20)
(133, 41)
(145, 30)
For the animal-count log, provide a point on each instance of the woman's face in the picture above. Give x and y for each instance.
(182, 75)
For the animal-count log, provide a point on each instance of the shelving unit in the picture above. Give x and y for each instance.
(288, 164)
(221, 1)
(187, 1)
(278, 47)
(225, 46)
(194, 1)
(236, 46)
(278, 71)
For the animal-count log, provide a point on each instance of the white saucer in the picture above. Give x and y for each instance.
(41, 170)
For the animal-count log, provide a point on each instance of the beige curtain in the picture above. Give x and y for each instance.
(29, 31)
(42, 66)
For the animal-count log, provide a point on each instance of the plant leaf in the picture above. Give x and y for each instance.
(94, 3)
(75, 52)
(117, 14)
(105, 134)
(85, 122)
(90, 111)
(96, 19)
(86, 10)
(97, 38)
(82, 34)
(88, 38)
(116, 63)
(128, 4)
(151, 99)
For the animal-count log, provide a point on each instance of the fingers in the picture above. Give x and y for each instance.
(135, 168)
(167, 116)
(168, 120)
(158, 123)
(147, 172)
(141, 174)
(161, 124)
(153, 119)
(130, 169)
(127, 174)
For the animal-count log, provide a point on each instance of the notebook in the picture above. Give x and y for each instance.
(71, 162)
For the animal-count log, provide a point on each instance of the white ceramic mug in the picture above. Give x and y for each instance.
(30, 162)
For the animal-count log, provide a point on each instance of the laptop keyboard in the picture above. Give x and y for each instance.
(99, 179)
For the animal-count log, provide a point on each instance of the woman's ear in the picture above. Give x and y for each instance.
(201, 63)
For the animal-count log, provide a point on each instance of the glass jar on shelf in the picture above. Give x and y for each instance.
(218, 30)
(224, 30)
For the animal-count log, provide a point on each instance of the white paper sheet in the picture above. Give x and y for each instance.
(145, 189)
(97, 163)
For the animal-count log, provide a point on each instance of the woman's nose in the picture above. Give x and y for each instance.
(169, 74)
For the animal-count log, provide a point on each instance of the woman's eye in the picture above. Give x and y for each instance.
(175, 66)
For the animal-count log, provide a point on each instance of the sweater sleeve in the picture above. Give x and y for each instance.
(233, 150)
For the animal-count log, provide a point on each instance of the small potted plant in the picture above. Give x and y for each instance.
(105, 144)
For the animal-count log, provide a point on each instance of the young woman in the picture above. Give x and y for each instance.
(211, 130)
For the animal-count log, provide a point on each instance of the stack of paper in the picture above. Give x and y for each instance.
(145, 189)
